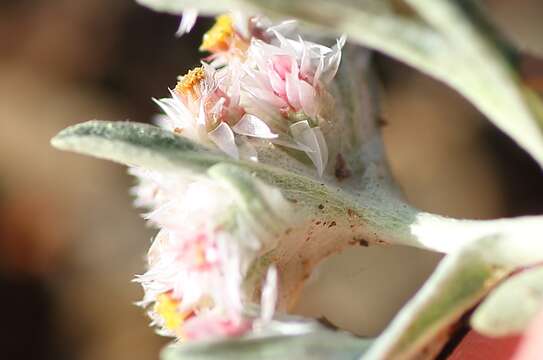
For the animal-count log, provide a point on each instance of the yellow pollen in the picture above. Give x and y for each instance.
(188, 81)
(219, 36)
(167, 308)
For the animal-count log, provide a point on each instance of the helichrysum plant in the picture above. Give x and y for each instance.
(267, 158)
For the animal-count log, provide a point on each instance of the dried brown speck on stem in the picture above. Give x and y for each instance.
(342, 171)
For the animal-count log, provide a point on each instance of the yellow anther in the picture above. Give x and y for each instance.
(168, 309)
(189, 81)
(218, 38)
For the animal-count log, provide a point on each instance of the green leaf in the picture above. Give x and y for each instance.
(317, 344)
(422, 326)
(370, 211)
(511, 306)
(460, 281)
(136, 144)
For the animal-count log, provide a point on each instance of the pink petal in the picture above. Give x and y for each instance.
(292, 83)
(208, 326)
(277, 83)
(282, 64)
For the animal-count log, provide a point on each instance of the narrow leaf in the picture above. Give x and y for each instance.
(136, 144)
(459, 281)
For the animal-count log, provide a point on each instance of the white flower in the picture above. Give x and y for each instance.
(197, 263)
(259, 84)
(205, 107)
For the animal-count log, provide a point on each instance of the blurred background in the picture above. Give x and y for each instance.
(70, 241)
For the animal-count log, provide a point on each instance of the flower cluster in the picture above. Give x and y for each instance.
(199, 258)
(258, 87)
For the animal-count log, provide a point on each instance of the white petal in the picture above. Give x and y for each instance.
(305, 63)
(246, 150)
(267, 96)
(323, 147)
(170, 111)
(187, 21)
(314, 139)
(241, 23)
(218, 107)
(284, 28)
(318, 72)
(308, 99)
(332, 61)
(202, 115)
(268, 299)
(251, 125)
(288, 143)
(284, 43)
(163, 121)
(223, 137)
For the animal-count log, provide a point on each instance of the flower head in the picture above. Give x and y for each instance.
(231, 35)
(286, 85)
(260, 85)
(221, 36)
(198, 260)
(205, 107)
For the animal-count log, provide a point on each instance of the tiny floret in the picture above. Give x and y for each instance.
(168, 309)
(220, 36)
(188, 82)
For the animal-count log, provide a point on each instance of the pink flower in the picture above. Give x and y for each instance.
(286, 85)
(215, 326)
